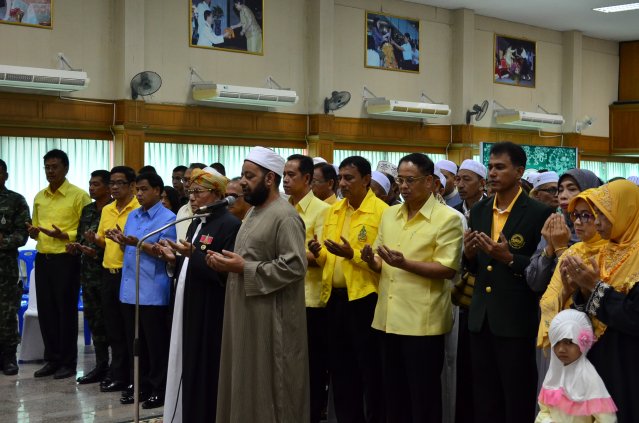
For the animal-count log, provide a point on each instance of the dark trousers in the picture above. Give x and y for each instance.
(504, 377)
(464, 399)
(354, 358)
(411, 369)
(115, 328)
(58, 283)
(317, 360)
(153, 347)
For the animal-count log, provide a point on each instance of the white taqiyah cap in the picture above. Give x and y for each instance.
(440, 175)
(545, 178)
(474, 166)
(387, 167)
(447, 165)
(267, 158)
(381, 179)
(318, 160)
(530, 174)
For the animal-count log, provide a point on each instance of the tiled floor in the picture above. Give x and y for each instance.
(25, 399)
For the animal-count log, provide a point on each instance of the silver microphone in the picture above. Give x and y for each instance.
(228, 201)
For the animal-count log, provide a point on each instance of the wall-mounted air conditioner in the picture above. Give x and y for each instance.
(528, 119)
(405, 109)
(233, 94)
(24, 78)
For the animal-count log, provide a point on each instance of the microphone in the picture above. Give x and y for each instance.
(228, 201)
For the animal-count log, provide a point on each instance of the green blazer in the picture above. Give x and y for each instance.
(501, 293)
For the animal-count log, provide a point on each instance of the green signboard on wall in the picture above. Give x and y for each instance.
(559, 159)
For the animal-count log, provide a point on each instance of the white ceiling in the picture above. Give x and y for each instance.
(560, 15)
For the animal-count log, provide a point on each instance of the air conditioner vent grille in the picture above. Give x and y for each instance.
(73, 81)
(18, 78)
(46, 79)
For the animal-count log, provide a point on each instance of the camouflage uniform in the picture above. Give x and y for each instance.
(91, 280)
(14, 214)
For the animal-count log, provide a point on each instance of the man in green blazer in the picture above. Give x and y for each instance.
(503, 320)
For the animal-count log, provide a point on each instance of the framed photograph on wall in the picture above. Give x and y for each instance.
(36, 13)
(514, 61)
(392, 42)
(230, 25)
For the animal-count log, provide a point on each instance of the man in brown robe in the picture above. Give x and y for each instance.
(264, 360)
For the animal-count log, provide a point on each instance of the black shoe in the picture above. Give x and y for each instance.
(128, 399)
(113, 386)
(94, 376)
(47, 370)
(154, 401)
(105, 382)
(64, 372)
(9, 364)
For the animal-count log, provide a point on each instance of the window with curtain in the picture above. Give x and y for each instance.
(23, 156)
(376, 156)
(608, 170)
(166, 156)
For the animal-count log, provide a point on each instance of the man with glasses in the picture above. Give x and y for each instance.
(324, 183)
(187, 209)
(56, 214)
(545, 188)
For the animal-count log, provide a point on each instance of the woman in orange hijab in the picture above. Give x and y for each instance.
(609, 293)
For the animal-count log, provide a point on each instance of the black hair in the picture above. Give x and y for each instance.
(328, 172)
(422, 161)
(105, 175)
(305, 164)
(207, 13)
(128, 172)
(3, 165)
(57, 154)
(197, 165)
(174, 198)
(390, 177)
(370, 42)
(525, 185)
(219, 167)
(154, 180)
(236, 179)
(616, 178)
(180, 168)
(147, 169)
(515, 152)
(407, 35)
(363, 166)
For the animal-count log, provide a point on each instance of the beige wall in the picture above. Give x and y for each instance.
(113, 40)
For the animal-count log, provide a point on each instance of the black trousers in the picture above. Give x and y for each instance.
(58, 283)
(114, 325)
(355, 358)
(504, 377)
(316, 325)
(411, 369)
(153, 347)
(464, 412)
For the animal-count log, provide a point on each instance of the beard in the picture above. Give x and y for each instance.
(258, 196)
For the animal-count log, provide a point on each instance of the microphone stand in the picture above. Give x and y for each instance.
(136, 340)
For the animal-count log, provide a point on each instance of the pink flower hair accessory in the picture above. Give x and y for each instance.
(585, 339)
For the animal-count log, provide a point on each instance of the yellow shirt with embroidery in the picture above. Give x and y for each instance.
(364, 223)
(111, 216)
(312, 211)
(61, 208)
(410, 304)
(501, 216)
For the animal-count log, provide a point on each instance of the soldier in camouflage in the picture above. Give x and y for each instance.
(14, 215)
(91, 272)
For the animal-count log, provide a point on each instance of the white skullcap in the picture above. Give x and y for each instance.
(545, 178)
(267, 158)
(530, 175)
(447, 165)
(474, 166)
(318, 160)
(382, 180)
(634, 179)
(440, 175)
(387, 167)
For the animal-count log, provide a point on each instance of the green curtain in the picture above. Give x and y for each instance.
(609, 170)
(375, 157)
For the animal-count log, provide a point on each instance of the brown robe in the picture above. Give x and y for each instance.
(264, 363)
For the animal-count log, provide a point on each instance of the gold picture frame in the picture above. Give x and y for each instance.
(233, 25)
(514, 61)
(34, 13)
(391, 42)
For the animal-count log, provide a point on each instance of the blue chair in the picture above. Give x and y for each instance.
(87, 331)
(26, 261)
(24, 303)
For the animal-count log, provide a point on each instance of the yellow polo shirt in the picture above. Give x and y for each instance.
(111, 216)
(61, 208)
(312, 211)
(501, 216)
(362, 230)
(409, 304)
(331, 200)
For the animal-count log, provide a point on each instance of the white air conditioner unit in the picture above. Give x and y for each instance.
(233, 94)
(405, 109)
(24, 78)
(528, 119)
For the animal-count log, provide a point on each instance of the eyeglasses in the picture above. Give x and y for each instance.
(197, 192)
(118, 183)
(410, 180)
(317, 182)
(551, 191)
(584, 217)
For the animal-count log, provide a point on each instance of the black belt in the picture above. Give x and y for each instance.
(53, 256)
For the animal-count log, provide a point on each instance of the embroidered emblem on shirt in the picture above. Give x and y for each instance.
(517, 241)
(361, 237)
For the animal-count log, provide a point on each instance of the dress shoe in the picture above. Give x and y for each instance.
(94, 376)
(9, 365)
(129, 398)
(47, 370)
(154, 401)
(64, 372)
(106, 381)
(113, 387)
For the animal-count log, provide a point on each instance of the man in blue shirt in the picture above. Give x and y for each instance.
(154, 290)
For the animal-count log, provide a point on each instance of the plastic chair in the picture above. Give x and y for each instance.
(87, 331)
(26, 262)
(32, 348)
